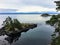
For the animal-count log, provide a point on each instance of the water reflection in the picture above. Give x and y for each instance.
(13, 38)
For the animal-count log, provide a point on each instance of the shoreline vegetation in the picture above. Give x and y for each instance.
(13, 26)
(55, 21)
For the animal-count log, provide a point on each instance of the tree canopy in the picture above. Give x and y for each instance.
(11, 24)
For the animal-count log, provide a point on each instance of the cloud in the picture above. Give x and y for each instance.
(24, 5)
(44, 3)
(35, 9)
(10, 3)
(19, 3)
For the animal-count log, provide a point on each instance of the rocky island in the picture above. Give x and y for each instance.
(13, 26)
(13, 29)
(45, 15)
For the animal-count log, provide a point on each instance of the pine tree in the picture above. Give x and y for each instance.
(11, 24)
(58, 5)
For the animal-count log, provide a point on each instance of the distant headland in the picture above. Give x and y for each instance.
(29, 12)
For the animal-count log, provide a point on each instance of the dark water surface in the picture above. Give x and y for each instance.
(38, 36)
(41, 35)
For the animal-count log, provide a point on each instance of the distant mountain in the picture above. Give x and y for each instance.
(14, 11)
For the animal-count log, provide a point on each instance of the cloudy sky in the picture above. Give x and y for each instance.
(28, 5)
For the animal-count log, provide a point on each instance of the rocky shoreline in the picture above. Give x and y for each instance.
(9, 33)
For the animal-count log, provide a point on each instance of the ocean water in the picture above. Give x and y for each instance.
(41, 35)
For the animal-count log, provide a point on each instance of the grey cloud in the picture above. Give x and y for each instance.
(44, 3)
(19, 3)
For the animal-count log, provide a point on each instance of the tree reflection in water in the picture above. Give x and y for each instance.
(13, 38)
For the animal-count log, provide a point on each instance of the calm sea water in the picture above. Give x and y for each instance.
(41, 35)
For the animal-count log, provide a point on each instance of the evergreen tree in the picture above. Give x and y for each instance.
(55, 37)
(11, 24)
(58, 5)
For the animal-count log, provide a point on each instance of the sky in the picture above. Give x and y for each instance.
(28, 5)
